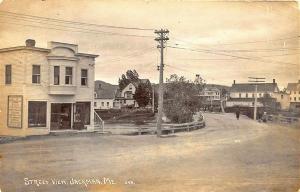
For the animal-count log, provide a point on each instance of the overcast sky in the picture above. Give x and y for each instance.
(242, 38)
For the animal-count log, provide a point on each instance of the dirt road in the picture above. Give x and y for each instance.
(226, 155)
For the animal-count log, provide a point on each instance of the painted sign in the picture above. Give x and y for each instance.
(14, 115)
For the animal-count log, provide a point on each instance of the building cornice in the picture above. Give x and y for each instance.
(18, 48)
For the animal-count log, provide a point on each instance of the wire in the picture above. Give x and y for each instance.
(181, 69)
(80, 31)
(235, 56)
(75, 22)
(225, 59)
(245, 42)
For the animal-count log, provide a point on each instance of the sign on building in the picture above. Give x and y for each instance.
(15, 107)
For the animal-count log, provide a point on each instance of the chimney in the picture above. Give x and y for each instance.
(274, 81)
(234, 82)
(30, 43)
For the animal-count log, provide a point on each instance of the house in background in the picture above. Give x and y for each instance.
(105, 96)
(45, 89)
(294, 90)
(243, 94)
(125, 96)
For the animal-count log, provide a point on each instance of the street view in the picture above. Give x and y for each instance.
(114, 96)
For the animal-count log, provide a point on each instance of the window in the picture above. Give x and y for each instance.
(83, 110)
(7, 74)
(295, 98)
(37, 113)
(252, 95)
(240, 95)
(246, 95)
(102, 104)
(107, 104)
(84, 77)
(95, 104)
(259, 94)
(36, 74)
(130, 87)
(56, 75)
(69, 76)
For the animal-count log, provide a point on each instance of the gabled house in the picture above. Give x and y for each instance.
(243, 94)
(294, 90)
(125, 96)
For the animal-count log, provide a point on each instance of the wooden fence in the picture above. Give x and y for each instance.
(172, 128)
(282, 119)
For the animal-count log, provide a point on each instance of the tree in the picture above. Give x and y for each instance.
(181, 99)
(143, 94)
(130, 76)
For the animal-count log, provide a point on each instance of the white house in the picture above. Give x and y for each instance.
(125, 96)
(45, 89)
(243, 94)
(294, 90)
(105, 94)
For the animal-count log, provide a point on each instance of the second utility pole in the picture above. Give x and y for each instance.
(162, 38)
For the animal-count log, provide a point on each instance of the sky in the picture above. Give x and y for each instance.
(220, 40)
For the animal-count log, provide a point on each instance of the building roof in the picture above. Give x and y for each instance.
(138, 82)
(293, 87)
(250, 87)
(48, 50)
(105, 90)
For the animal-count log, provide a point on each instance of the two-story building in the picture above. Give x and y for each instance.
(294, 90)
(243, 94)
(45, 89)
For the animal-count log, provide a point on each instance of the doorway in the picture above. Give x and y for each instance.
(60, 116)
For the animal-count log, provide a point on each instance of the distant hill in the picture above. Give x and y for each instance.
(105, 90)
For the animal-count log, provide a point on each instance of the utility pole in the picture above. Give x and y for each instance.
(256, 80)
(153, 102)
(162, 39)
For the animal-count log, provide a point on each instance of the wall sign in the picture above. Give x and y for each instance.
(15, 108)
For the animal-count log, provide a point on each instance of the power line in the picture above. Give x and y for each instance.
(181, 69)
(245, 42)
(75, 22)
(235, 56)
(227, 59)
(80, 31)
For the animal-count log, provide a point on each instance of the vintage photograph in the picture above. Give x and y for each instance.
(149, 95)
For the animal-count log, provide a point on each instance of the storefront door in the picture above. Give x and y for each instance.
(60, 116)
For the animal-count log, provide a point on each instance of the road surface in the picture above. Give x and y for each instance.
(227, 155)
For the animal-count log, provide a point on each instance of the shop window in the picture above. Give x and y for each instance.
(7, 74)
(36, 74)
(37, 113)
(83, 112)
(69, 76)
(56, 75)
(84, 77)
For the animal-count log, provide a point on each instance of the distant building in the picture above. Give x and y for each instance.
(45, 89)
(294, 90)
(105, 96)
(243, 94)
(211, 94)
(125, 96)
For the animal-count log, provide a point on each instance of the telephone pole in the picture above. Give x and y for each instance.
(162, 39)
(256, 80)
